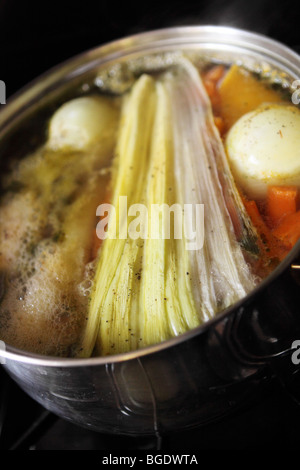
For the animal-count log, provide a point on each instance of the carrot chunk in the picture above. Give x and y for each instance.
(219, 123)
(211, 79)
(281, 201)
(288, 231)
(215, 73)
(274, 247)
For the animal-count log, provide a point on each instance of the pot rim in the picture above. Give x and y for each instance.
(161, 39)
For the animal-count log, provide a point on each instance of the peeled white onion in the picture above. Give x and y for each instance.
(83, 122)
(263, 148)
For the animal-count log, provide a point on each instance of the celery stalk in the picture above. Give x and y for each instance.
(111, 297)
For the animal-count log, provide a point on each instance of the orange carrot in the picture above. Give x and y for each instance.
(219, 123)
(215, 73)
(272, 245)
(212, 91)
(211, 79)
(288, 231)
(281, 201)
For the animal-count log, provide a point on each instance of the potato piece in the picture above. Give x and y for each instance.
(241, 92)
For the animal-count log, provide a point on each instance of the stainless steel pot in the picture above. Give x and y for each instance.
(209, 371)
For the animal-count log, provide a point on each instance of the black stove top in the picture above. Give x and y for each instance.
(269, 421)
(35, 38)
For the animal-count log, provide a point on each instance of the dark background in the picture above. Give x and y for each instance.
(37, 36)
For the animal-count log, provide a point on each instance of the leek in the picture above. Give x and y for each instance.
(168, 154)
(220, 273)
(167, 308)
(110, 312)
